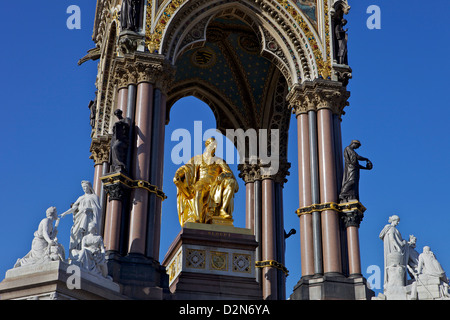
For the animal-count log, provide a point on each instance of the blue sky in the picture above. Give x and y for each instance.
(399, 110)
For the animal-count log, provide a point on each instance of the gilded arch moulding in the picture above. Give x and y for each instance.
(283, 14)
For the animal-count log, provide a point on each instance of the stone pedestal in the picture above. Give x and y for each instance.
(430, 288)
(332, 287)
(57, 281)
(141, 278)
(212, 262)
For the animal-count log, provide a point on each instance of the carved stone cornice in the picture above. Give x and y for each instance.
(318, 94)
(144, 67)
(99, 149)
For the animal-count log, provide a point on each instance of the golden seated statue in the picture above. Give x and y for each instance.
(206, 187)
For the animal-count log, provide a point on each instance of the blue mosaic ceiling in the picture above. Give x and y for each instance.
(230, 67)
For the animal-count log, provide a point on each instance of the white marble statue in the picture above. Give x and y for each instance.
(45, 246)
(427, 277)
(412, 256)
(430, 270)
(86, 209)
(91, 256)
(395, 251)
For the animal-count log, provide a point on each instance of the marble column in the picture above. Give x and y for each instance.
(269, 233)
(258, 226)
(328, 192)
(250, 174)
(156, 174)
(280, 241)
(113, 203)
(250, 205)
(352, 220)
(305, 195)
(354, 258)
(315, 192)
(113, 219)
(141, 168)
(100, 154)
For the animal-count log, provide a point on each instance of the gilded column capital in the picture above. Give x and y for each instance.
(99, 149)
(318, 94)
(144, 67)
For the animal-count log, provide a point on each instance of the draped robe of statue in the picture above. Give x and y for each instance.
(45, 246)
(119, 144)
(429, 265)
(206, 187)
(129, 16)
(394, 253)
(86, 209)
(350, 181)
(92, 253)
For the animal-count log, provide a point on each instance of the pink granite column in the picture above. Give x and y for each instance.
(328, 192)
(97, 183)
(305, 199)
(122, 98)
(141, 168)
(269, 277)
(112, 225)
(113, 210)
(158, 161)
(354, 258)
(250, 205)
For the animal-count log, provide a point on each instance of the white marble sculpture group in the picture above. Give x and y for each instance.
(86, 248)
(428, 280)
